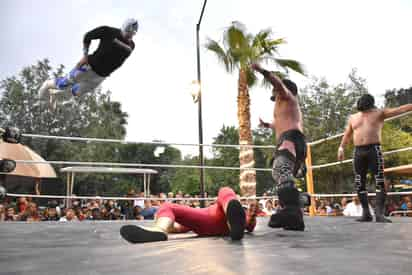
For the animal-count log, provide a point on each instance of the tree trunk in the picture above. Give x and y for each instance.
(246, 156)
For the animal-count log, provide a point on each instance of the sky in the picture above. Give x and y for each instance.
(330, 37)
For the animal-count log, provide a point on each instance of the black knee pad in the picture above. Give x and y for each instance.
(283, 166)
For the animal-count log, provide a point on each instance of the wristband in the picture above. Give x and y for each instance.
(85, 51)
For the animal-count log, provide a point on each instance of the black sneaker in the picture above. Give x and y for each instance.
(136, 234)
(236, 218)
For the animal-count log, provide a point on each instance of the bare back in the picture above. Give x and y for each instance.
(367, 127)
(287, 115)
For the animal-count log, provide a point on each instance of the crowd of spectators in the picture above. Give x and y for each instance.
(138, 208)
(350, 206)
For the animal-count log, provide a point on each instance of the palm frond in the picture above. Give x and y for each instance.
(235, 38)
(290, 64)
(250, 77)
(276, 42)
(260, 37)
(222, 56)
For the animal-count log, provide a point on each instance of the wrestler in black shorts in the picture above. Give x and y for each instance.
(285, 168)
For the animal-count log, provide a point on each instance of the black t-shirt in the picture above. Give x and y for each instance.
(112, 51)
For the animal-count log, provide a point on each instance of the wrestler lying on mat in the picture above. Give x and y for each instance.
(225, 217)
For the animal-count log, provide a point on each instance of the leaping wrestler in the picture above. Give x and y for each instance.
(115, 46)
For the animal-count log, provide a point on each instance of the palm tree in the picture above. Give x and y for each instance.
(239, 50)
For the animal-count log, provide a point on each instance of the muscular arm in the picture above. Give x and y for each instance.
(347, 134)
(345, 140)
(391, 112)
(269, 125)
(273, 79)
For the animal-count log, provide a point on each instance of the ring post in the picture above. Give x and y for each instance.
(309, 181)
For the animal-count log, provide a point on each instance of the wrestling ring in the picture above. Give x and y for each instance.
(329, 245)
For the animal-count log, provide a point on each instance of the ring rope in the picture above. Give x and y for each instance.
(350, 160)
(341, 134)
(191, 199)
(128, 198)
(139, 165)
(187, 166)
(181, 144)
(354, 194)
(143, 142)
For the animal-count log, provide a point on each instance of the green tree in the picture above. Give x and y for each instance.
(395, 98)
(225, 156)
(238, 51)
(326, 108)
(187, 179)
(263, 157)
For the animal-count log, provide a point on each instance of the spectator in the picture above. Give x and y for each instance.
(69, 217)
(104, 214)
(178, 197)
(21, 204)
(95, 214)
(354, 208)
(31, 213)
(148, 211)
(404, 203)
(11, 214)
(344, 202)
(170, 196)
(116, 214)
(268, 209)
(139, 202)
(2, 213)
(87, 213)
(262, 202)
(163, 198)
(196, 204)
(50, 214)
(137, 213)
(329, 208)
(81, 213)
(126, 206)
(154, 201)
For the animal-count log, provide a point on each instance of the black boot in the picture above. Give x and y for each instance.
(380, 207)
(236, 218)
(366, 214)
(290, 217)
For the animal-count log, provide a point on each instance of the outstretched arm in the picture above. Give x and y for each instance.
(345, 140)
(273, 79)
(264, 124)
(97, 33)
(391, 112)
